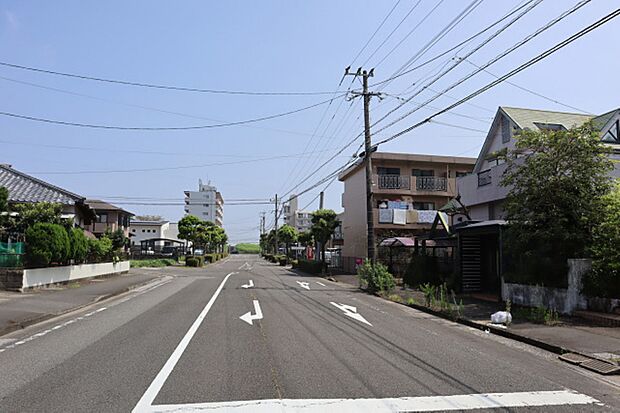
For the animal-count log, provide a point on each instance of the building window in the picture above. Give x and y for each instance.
(549, 126)
(387, 171)
(506, 130)
(613, 135)
(205, 213)
(424, 206)
(484, 178)
(133, 230)
(102, 218)
(459, 174)
(143, 231)
(422, 172)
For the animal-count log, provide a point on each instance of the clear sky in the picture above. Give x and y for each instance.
(268, 46)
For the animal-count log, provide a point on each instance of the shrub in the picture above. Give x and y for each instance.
(422, 269)
(295, 263)
(210, 258)
(160, 262)
(100, 249)
(375, 278)
(79, 245)
(196, 261)
(311, 267)
(47, 243)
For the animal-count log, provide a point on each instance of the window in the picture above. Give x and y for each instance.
(133, 230)
(506, 129)
(549, 126)
(205, 213)
(205, 205)
(422, 172)
(613, 135)
(484, 178)
(387, 171)
(102, 218)
(143, 231)
(424, 206)
(459, 174)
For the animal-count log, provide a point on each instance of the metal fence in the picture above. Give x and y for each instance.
(12, 250)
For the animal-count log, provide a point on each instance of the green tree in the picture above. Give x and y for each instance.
(604, 279)
(556, 178)
(100, 249)
(29, 214)
(4, 206)
(79, 245)
(305, 238)
(189, 229)
(324, 223)
(118, 238)
(287, 234)
(47, 243)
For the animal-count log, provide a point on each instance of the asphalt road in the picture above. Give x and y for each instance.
(303, 344)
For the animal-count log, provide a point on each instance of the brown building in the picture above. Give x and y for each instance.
(407, 190)
(108, 218)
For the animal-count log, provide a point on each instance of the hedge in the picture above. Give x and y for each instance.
(196, 261)
(79, 245)
(311, 267)
(47, 243)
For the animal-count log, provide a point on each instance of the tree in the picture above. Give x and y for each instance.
(188, 229)
(556, 178)
(287, 234)
(47, 243)
(324, 223)
(604, 279)
(118, 238)
(305, 238)
(31, 213)
(4, 205)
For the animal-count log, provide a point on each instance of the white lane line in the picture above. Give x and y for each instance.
(413, 404)
(320, 283)
(144, 404)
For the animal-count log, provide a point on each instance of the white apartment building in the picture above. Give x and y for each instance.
(293, 216)
(206, 203)
(165, 232)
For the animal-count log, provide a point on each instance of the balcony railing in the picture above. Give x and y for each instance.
(431, 183)
(394, 182)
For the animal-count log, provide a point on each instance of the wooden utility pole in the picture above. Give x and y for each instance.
(372, 255)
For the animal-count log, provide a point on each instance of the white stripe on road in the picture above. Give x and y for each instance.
(320, 283)
(144, 405)
(412, 404)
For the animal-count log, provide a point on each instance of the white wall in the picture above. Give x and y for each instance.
(42, 276)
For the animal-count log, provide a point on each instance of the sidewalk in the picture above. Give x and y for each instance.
(18, 310)
(570, 334)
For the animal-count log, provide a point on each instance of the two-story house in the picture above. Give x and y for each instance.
(483, 195)
(108, 218)
(407, 190)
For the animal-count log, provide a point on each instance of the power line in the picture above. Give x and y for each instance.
(172, 128)
(376, 31)
(513, 72)
(149, 108)
(529, 90)
(159, 86)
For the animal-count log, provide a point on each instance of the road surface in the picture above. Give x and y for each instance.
(245, 335)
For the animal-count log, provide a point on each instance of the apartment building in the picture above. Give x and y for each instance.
(206, 203)
(407, 190)
(293, 216)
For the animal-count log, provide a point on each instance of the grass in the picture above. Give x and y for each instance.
(396, 298)
(247, 248)
(540, 315)
(412, 301)
(159, 262)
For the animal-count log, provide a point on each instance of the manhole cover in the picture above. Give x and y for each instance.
(601, 367)
(574, 358)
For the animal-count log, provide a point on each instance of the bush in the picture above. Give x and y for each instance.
(422, 269)
(375, 278)
(47, 243)
(311, 267)
(160, 262)
(79, 245)
(210, 258)
(197, 261)
(100, 250)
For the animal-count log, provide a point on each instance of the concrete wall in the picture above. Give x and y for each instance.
(563, 300)
(42, 276)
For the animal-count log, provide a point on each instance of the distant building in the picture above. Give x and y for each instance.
(407, 191)
(108, 218)
(156, 233)
(206, 203)
(293, 216)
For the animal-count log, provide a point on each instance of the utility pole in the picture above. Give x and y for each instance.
(372, 256)
(321, 197)
(276, 226)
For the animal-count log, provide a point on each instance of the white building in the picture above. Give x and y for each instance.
(206, 203)
(293, 216)
(164, 232)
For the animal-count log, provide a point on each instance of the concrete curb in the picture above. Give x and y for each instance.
(44, 317)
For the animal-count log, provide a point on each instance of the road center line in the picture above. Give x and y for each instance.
(147, 398)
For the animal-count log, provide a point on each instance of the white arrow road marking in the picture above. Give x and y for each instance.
(320, 283)
(250, 284)
(351, 311)
(248, 317)
(245, 266)
(304, 284)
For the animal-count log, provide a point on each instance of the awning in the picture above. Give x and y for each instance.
(398, 242)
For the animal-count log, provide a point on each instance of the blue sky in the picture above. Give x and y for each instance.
(261, 46)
